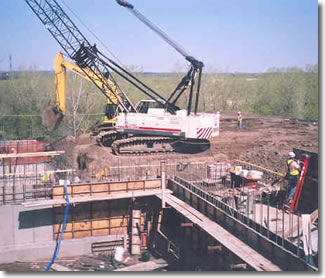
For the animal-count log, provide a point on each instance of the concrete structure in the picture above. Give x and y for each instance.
(27, 235)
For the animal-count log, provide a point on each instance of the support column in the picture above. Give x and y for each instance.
(136, 224)
(163, 182)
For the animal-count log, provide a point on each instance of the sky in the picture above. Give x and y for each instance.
(227, 35)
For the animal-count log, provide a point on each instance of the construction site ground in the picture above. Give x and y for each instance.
(263, 140)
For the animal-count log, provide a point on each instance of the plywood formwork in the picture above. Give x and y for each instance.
(105, 188)
(99, 208)
(94, 219)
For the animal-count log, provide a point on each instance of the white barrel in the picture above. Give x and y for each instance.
(119, 252)
(253, 174)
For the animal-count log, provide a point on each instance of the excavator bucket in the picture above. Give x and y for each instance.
(51, 118)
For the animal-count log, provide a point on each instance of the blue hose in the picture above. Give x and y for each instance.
(62, 231)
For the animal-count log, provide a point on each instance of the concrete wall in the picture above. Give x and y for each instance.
(24, 229)
(27, 235)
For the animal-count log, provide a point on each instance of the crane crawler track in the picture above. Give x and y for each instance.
(143, 145)
(105, 138)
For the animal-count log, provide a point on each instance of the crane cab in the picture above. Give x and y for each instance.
(145, 104)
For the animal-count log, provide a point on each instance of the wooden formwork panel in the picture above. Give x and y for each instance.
(117, 187)
(100, 224)
(68, 235)
(57, 228)
(81, 234)
(95, 219)
(117, 222)
(99, 189)
(58, 192)
(117, 230)
(100, 232)
(152, 184)
(136, 185)
(103, 189)
(80, 191)
(82, 226)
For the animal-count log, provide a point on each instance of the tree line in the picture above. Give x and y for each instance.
(287, 92)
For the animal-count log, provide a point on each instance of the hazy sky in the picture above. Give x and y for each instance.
(227, 35)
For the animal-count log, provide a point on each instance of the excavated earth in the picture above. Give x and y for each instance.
(263, 140)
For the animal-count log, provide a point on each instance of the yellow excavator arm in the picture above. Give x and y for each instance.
(60, 82)
(52, 116)
(60, 66)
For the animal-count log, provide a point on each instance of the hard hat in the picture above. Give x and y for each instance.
(292, 154)
(239, 112)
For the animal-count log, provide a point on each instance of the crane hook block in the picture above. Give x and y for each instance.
(124, 4)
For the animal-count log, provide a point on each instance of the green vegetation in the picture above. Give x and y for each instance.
(291, 92)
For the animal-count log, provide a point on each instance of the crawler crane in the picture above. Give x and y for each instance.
(164, 127)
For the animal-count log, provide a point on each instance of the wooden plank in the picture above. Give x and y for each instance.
(135, 194)
(259, 167)
(225, 238)
(37, 154)
(147, 266)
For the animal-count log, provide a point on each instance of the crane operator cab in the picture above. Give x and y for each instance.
(144, 105)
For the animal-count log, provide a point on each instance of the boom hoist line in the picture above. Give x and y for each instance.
(189, 78)
(78, 48)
